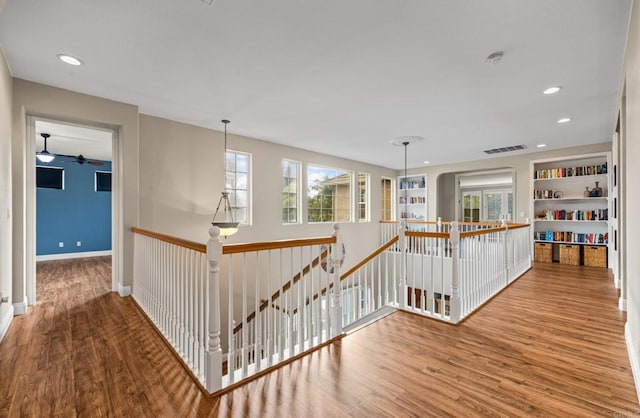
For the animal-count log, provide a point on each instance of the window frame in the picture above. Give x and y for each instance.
(232, 191)
(392, 198)
(52, 168)
(367, 200)
(95, 181)
(298, 192)
(349, 174)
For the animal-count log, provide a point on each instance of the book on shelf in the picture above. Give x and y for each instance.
(572, 237)
(574, 215)
(558, 173)
(413, 199)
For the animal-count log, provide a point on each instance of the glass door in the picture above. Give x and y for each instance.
(471, 206)
(498, 204)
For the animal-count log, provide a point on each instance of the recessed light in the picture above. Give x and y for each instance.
(552, 90)
(427, 162)
(564, 120)
(541, 145)
(68, 59)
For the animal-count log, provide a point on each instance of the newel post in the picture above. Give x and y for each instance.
(506, 246)
(336, 299)
(402, 285)
(213, 356)
(454, 237)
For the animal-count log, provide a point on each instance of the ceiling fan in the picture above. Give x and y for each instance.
(46, 157)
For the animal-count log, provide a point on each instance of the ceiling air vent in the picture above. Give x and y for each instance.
(505, 149)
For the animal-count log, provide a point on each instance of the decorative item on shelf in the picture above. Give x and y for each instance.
(598, 190)
(225, 221)
(558, 194)
(587, 193)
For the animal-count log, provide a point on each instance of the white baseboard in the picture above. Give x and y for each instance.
(633, 359)
(622, 304)
(124, 291)
(20, 308)
(65, 256)
(5, 321)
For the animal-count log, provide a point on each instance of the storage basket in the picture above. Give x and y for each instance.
(595, 256)
(543, 252)
(570, 254)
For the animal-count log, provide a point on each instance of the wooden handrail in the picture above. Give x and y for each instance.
(275, 245)
(444, 235)
(481, 232)
(172, 240)
(517, 226)
(370, 257)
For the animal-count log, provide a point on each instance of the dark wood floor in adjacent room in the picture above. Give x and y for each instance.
(552, 344)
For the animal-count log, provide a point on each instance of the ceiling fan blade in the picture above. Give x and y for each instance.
(96, 163)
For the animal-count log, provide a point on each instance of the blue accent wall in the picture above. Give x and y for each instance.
(77, 213)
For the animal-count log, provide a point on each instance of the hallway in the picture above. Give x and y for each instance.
(552, 344)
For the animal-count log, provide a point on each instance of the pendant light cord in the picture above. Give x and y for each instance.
(406, 181)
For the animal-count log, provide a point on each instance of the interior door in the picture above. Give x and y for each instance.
(471, 206)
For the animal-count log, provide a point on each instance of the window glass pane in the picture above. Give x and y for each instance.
(363, 197)
(241, 181)
(387, 200)
(328, 194)
(494, 205)
(290, 191)
(237, 182)
(242, 163)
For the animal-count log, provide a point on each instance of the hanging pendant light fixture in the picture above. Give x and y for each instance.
(224, 219)
(45, 156)
(404, 141)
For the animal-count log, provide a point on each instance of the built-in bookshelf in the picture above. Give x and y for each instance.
(412, 197)
(570, 200)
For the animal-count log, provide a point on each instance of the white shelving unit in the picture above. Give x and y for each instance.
(413, 189)
(561, 212)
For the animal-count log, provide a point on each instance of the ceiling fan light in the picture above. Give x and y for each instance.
(45, 157)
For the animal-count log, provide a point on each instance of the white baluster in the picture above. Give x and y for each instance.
(336, 306)
(402, 284)
(213, 362)
(454, 236)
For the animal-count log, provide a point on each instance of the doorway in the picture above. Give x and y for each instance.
(74, 199)
(485, 196)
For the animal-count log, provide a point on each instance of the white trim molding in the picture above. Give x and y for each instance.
(124, 291)
(633, 358)
(65, 256)
(5, 321)
(622, 304)
(20, 308)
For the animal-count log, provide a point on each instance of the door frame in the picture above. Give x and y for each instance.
(117, 208)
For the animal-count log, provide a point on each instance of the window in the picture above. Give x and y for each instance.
(499, 205)
(328, 194)
(103, 181)
(50, 177)
(290, 191)
(387, 199)
(363, 197)
(237, 183)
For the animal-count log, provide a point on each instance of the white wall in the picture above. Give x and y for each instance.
(6, 89)
(520, 163)
(46, 101)
(181, 180)
(632, 202)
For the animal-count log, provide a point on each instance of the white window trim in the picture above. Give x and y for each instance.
(393, 197)
(249, 184)
(367, 202)
(306, 181)
(298, 193)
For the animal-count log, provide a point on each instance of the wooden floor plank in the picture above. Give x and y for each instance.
(552, 344)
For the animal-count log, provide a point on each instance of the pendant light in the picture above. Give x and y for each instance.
(45, 156)
(404, 141)
(224, 219)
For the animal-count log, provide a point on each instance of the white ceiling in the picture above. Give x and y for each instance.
(74, 140)
(341, 77)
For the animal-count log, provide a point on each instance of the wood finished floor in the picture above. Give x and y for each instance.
(552, 344)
